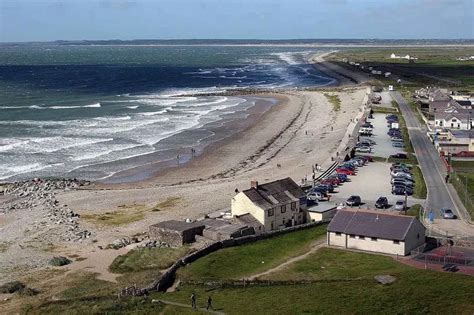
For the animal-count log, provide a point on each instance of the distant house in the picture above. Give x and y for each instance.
(274, 205)
(375, 232)
(454, 119)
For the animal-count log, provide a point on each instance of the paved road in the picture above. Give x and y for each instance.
(428, 158)
(434, 172)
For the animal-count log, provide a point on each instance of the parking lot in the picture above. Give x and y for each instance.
(373, 179)
(384, 147)
(371, 182)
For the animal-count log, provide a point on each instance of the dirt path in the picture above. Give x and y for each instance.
(202, 309)
(315, 247)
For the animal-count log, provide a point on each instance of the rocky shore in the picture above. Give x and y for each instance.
(27, 196)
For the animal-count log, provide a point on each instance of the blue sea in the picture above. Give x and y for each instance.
(94, 111)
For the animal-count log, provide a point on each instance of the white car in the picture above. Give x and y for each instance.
(364, 149)
(400, 174)
(314, 196)
(400, 205)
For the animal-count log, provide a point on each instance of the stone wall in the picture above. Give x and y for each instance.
(167, 279)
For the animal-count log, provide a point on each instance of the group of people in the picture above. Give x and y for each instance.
(194, 305)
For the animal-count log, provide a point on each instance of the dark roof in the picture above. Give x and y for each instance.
(371, 224)
(178, 225)
(248, 220)
(464, 102)
(274, 193)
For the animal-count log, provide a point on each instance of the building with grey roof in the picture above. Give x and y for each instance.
(275, 205)
(175, 233)
(375, 231)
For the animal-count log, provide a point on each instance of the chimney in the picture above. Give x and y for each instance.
(254, 184)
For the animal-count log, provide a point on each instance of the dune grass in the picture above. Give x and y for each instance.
(334, 100)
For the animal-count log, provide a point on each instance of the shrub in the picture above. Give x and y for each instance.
(12, 287)
(59, 261)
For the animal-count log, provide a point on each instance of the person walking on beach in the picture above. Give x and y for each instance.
(209, 303)
(193, 300)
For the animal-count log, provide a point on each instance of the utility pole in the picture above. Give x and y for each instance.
(406, 199)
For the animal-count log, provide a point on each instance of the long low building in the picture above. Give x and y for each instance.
(374, 231)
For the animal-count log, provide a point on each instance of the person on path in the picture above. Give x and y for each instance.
(209, 303)
(193, 300)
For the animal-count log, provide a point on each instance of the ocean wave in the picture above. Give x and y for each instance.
(133, 107)
(95, 105)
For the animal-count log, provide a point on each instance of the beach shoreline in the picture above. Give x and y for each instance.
(302, 129)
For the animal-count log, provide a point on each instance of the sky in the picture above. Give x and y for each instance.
(47, 20)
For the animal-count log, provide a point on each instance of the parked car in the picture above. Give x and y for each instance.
(400, 205)
(401, 156)
(342, 177)
(402, 182)
(366, 157)
(447, 213)
(345, 171)
(396, 139)
(401, 190)
(381, 203)
(403, 175)
(353, 201)
(330, 181)
(401, 169)
(398, 144)
(400, 164)
(364, 149)
(322, 190)
(329, 187)
(370, 141)
(315, 196)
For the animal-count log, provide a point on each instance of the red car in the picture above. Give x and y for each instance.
(332, 181)
(344, 171)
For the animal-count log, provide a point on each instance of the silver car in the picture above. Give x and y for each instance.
(400, 205)
(447, 213)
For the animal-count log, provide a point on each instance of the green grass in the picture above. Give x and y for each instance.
(463, 165)
(420, 186)
(345, 286)
(435, 66)
(147, 258)
(464, 185)
(245, 260)
(415, 211)
(334, 100)
(384, 110)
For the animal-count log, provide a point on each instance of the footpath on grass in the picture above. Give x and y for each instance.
(202, 309)
(316, 246)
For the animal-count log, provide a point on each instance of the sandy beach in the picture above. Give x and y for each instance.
(302, 129)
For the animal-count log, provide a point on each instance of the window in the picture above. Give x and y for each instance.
(396, 242)
(352, 236)
(293, 206)
(373, 239)
(361, 237)
(271, 212)
(283, 222)
(283, 209)
(338, 233)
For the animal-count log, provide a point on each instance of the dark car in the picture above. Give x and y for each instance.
(353, 201)
(381, 203)
(366, 157)
(329, 187)
(401, 156)
(401, 190)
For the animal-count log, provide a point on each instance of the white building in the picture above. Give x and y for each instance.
(454, 118)
(274, 205)
(374, 231)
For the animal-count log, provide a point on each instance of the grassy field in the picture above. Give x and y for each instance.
(344, 285)
(147, 258)
(435, 65)
(253, 257)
